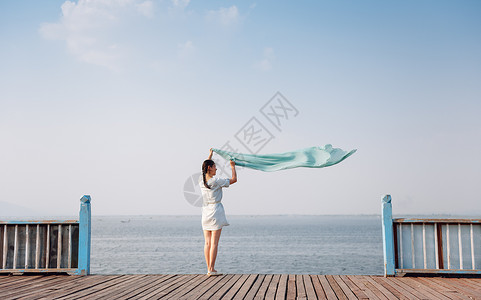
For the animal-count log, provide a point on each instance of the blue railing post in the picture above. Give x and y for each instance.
(387, 236)
(84, 236)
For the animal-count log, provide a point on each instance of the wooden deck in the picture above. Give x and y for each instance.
(237, 286)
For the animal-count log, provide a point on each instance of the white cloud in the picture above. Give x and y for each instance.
(224, 16)
(180, 3)
(146, 8)
(186, 49)
(266, 63)
(87, 28)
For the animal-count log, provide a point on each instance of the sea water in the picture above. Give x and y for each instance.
(279, 244)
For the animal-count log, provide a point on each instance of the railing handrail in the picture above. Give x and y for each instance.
(429, 245)
(39, 222)
(431, 221)
(38, 246)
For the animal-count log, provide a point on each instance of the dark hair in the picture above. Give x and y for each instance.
(207, 163)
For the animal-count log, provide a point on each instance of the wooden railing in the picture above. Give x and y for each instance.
(439, 246)
(47, 246)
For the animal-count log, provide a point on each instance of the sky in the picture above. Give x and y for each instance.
(122, 100)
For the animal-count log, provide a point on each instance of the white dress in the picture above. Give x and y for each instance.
(213, 214)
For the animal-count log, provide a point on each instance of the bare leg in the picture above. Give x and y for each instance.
(214, 242)
(207, 237)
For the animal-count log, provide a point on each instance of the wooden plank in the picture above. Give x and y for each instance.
(465, 286)
(301, 290)
(237, 286)
(102, 289)
(412, 247)
(460, 244)
(161, 280)
(226, 287)
(263, 288)
(54, 290)
(161, 290)
(353, 287)
(202, 288)
(426, 290)
(59, 246)
(76, 284)
(192, 284)
(473, 262)
(311, 294)
(337, 289)
(69, 259)
(396, 245)
(271, 290)
(330, 294)
(281, 292)
(460, 287)
(318, 287)
(15, 248)
(114, 291)
(424, 247)
(88, 290)
(175, 286)
(448, 246)
(246, 287)
(255, 286)
(383, 281)
(439, 235)
(33, 288)
(47, 250)
(417, 293)
(369, 293)
(27, 244)
(34, 291)
(401, 288)
(16, 286)
(375, 288)
(291, 287)
(37, 247)
(472, 284)
(346, 290)
(1, 245)
(385, 292)
(474, 281)
(401, 244)
(8, 280)
(26, 288)
(471, 293)
(448, 292)
(448, 285)
(430, 221)
(217, 286)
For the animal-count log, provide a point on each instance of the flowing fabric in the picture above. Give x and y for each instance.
(313, 157)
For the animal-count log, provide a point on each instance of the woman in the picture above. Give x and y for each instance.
(213, 215)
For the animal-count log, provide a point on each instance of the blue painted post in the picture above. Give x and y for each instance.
(388, 237)
(84, 236)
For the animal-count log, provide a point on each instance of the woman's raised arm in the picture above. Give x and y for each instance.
(234, 173)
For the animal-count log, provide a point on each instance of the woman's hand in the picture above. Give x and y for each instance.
(210, 153)
(232, 163)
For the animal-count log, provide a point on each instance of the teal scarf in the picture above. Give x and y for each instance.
(313, 157)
